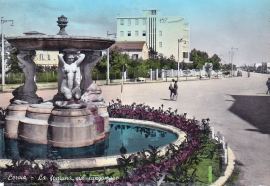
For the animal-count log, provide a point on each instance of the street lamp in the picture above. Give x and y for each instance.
(108, 59)
(232, 57)
(3, 50)
(179, 41)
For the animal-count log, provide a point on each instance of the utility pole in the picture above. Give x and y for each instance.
(232, 58)
(108, 60)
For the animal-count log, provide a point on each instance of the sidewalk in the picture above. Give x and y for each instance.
(53, 85)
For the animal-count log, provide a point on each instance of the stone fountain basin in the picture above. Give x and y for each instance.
(109, 161)
(59, 42)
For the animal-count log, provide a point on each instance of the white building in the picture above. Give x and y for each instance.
(161, 33)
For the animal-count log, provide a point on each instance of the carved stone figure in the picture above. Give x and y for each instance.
(70, 86)
(93, 97)
(27, 92)
(90, 61)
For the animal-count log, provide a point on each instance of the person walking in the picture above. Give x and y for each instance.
(268, 86)
(175, 88)
(171, 89)
(248, 73)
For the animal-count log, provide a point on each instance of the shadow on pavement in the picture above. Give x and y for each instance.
(253, 109)
(167, 99)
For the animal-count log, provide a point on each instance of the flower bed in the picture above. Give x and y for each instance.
(147, 166)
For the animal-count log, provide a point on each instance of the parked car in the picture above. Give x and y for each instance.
(140, 79)
(225, 72)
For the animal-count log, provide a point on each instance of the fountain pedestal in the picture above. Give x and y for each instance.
(34, 127)
(74, 128)
(14, 114)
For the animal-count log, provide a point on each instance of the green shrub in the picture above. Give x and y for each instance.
(47, 76)
(15, 78)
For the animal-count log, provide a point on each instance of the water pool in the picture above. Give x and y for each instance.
(124, 137)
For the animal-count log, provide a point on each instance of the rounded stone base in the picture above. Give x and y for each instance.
(39, 111)
(34, 127)
(73, 128)
(33, 130)
(14, 114)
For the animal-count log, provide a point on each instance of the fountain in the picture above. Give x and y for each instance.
(77, 116)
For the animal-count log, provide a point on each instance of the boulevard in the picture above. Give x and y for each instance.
(238, 107)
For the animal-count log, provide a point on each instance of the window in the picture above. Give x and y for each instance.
(144, 21)
(129, 33)
(49, 57)
(185, 54)
(163, 20)
(121, 21)
(136, 21)
(144, 33)
(160, 44)
(160, 33)
(121, 33)
(40, 56)
(153, 12)
(129, 22)
(136, 33)
(135, 56)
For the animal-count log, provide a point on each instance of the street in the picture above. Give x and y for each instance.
(238, 107)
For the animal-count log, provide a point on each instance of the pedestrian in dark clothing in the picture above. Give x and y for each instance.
(175, 88)
(268, 86)
(248, 73)
(171, 89)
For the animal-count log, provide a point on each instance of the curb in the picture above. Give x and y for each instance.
(229, 169)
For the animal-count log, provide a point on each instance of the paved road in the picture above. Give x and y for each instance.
(237, 107)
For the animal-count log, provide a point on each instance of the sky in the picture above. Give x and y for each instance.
(216, 26)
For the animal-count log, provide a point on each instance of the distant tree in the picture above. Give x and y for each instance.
(13, 63)
(167, 63)
(118, 59)
(152, 63)
(228, 67)
(172, 58)
(215, 60)
(101, 67)
(199, 58)
(188, 66)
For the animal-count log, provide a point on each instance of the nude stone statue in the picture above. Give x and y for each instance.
(27, 92)
(70, 86)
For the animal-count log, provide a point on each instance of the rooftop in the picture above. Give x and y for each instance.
(129, 45)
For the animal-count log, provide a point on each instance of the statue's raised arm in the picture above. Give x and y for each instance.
(61, 58)
(80, 59)
(21, 57)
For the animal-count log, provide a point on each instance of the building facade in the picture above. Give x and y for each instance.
(134, 49)
(46, 58)
(168, 35)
